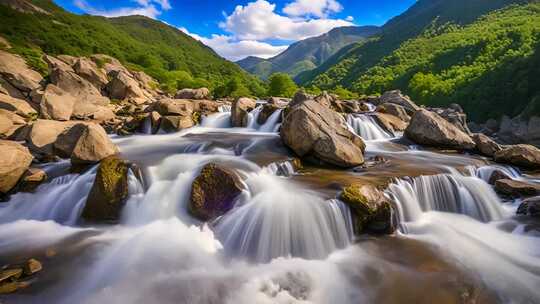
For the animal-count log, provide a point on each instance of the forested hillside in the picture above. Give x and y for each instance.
(162, 51)
(441, 52)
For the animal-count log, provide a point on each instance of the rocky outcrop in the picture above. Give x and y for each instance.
(311, 129)
(9, 123)
(394, 109)
(55, 103)
(18, 106)
(485, 145)
(396, 97)
(515, 188)
(81, 89)
(109, 191)
(202, 93)
(55, 63)
(525, 156)
(239, 112)
(214, 192)
(530, 207)
(520, 130)
(390, 122)
(92, 146)
(371, 211)
(110, 64)
(14, 70)
(14, 162)
(88, 70)
(428, 128)
(124, 87)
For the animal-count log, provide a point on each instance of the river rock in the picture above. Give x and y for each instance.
(9, 123)
(458, 119)
(176, 123)
(239, 112)
(14, 70)
(43, 135)
(14, 162)
(81, 89)
(497, 175)
(18, 106)
(390, 122)
(525, 156)
(206, 107)
(530, 207)
(123, 86)
(394, 109)
(214, 192)
(202, 93)
(428, 128)
(109, 191)
(311, 129)
(32, 179)
(486, 145)
(396, 97)
(88, 70)
(515, 188)
(371, 211)
(92, 146)
(55, 103)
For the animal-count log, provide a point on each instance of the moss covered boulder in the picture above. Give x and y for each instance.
(214, 192)
(109, 192)
(371, 211)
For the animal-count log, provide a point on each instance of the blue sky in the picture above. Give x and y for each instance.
(236, 29)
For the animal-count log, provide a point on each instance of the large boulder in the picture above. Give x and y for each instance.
(44, 133)
(371, 211)
(171, 124)
(390, 122)
(202, 93)
(239, 112)
(394, 109)
(214, 192)
(525, 156)
(396, 97)
(311, 129)
(206, 107)
(92, 112)
(516, 188)
(123, 86)
(80, 88)
(458, 119)
(428, 128)
(92, 146)
(18, 106)
(109, 191)
(88, 70)
(530, 207)
(174, 107)
(9, 123)
(14, 70)
(328, 101)
(485, 145)
(55, 103)
(14, 162)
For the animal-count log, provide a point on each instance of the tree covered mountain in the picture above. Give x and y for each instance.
(482, 54)
(162, 51)
(308, 54)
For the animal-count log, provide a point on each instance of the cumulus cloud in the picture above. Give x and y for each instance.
(317, 8)
(259, 21)
(233, 50)
(147, 8)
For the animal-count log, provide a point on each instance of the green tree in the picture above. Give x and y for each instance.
(281, 85)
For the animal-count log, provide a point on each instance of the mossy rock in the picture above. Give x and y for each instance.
(214, 192)
(109, 192)
(370, 210)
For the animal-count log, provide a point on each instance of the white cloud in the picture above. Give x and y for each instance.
(350, 18)
(259, 21)
(317, 8)
(146, 8)
(227, 47)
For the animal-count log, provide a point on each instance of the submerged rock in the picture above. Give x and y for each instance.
(371, 211)
(239, 111)
(525, 156)
(428, 128)
(311, 129)
(14, 162)
(109, 191)
(530, 207)
(214, 192)
(515, 188)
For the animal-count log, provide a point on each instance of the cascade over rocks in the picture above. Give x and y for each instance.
(525, 156)
(214, 192)
(311, 129)
(267, 111)
(239, 111)
(428, 128)
(18, 106)
(198, 94)
(109, 191)
(396, 97)
(14, 162)
(55, 103)
(486, 145)
(371, 211)
(16, 72)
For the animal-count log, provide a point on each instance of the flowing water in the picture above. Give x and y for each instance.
(287, 239)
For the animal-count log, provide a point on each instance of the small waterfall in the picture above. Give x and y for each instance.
(452, 193)
(225, 108)
(253, 116)
(485, 172)
(285, 168)
(366, 127)
(371, 107)
(219, 120)
(272, 124)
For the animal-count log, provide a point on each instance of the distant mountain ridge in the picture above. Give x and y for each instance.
(309, 53)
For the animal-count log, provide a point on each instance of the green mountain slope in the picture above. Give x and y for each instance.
(140, 42)
(309, 53)
(490, 66)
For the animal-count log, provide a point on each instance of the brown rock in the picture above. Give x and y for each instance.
(214, 192)
(67, 59)
(300, 97)
(56, 104)
(176, 123)
(206, 107)
(428, 128)
(92, 146)
(486, 145)
(239, 112)
(18, 106)
(55, 63)
(202, 93)
(93, 112)
(515, 188)
(525, 156)
(81, 89)
(14, 162)
(14, 70)
(110, 64)
(312, 129)
(497, 175)
(7, 89)
(43, 135)
(396, 97)
(9, 123)
(530, 207)
(32, 179)
(394, 109)
(174, 107)
(390, 122)
(109, 191)
(123, 86)
(267, 111)
(88, 70)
